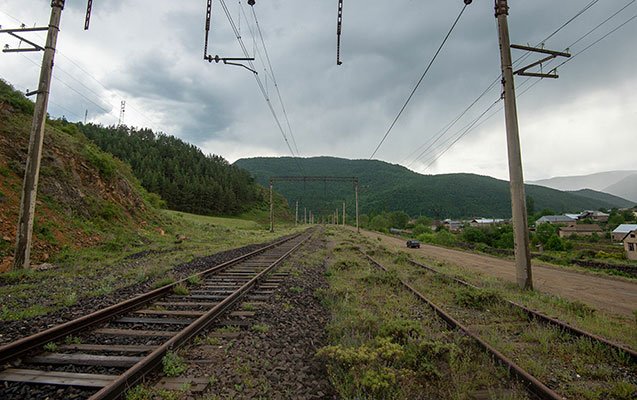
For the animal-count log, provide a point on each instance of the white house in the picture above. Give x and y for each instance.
(630, 245)
(622, 230)
(556, 219)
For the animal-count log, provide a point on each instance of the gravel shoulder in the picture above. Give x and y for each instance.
(609, 294)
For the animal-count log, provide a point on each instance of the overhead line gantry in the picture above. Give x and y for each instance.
(304, 179)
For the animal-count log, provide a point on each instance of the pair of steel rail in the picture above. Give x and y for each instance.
(534, 386)
(245, 282)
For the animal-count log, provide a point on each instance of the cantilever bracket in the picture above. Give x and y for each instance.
(228, 61)
(551, 55)
(17, 32)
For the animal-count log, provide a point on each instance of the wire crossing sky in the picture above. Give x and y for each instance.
(581, 123)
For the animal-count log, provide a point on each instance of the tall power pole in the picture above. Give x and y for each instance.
(296, 218)
(122, 111)
(518, 198)
(32, 170)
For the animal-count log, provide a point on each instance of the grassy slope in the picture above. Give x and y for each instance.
(392, 187)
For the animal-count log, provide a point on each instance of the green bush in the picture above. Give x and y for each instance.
(173, 365)
(477, 299)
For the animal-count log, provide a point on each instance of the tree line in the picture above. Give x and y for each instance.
(187, 179)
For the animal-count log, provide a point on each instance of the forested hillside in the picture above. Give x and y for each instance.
(85, 197)
(387, 187)
(180, 173)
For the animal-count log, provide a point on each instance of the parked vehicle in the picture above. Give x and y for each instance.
(413, 244)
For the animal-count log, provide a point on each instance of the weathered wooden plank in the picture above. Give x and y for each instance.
(181, 313)
(56, 378)
(85, 359)
(111, 348)
(133, 332)
(164, 321)
(185, 304)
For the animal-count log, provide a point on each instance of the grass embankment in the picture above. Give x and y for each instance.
(124, 259)
(387, 345)
(575, 367)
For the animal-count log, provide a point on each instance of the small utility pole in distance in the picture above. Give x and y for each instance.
(358, 229)
(343, 213)
(32, 170)
(520, 224)
(304, 215)
(296, 218)
(271, 209)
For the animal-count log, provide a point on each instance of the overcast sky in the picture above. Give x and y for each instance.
(150, 53)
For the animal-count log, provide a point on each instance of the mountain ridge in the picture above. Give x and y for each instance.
(621, 183)
(392, 187)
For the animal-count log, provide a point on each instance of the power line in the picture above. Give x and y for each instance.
(260, 83)
(453, 26)
(474, 125)
(443, 131)
(150, 123)
(274, 81)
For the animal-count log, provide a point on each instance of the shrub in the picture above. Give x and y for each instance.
(173, 365)
(477, 299)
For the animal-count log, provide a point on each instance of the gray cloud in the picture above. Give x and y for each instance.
(150, 53)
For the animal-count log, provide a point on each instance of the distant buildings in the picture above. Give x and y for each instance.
(596, 216)
(478, 222)
(630, 245)
(580, 230)
(556, 219)
(622, 230)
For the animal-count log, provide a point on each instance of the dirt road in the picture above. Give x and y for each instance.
(612, 295)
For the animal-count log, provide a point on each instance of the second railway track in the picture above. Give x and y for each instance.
(552, 359)
(101, 355)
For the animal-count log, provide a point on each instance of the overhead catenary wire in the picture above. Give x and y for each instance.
(422, 77)
(475, 124)
(443, 131)
(74, 77)
(260, 84)
(275, 83)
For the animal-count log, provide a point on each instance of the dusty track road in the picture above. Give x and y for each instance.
(608, 294)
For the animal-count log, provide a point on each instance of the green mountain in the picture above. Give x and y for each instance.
(390, 187)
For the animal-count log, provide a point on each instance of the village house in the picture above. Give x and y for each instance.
(622, 230)
(478, 222)
(556, 219)
(453, 226)
(580, 230)
(630, 245)
(596, 216)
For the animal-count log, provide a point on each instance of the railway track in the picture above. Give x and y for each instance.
(509, 332)
(101, 355)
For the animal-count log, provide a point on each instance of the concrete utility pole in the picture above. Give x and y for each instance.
(304, 215)
(518, 198)
(271, 210)
(296, 218)
(343, 213)
(358, 229)
(32, 170)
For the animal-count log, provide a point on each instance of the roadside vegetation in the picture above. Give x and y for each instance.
(597, 251)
